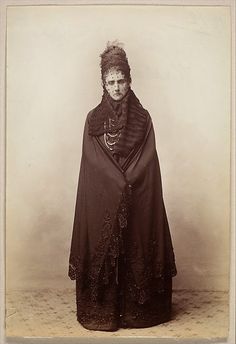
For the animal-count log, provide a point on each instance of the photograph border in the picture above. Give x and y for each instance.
(4, 4)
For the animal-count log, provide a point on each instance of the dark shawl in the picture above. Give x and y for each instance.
(120, 211)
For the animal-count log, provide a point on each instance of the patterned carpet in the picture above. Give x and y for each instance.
(51, 313)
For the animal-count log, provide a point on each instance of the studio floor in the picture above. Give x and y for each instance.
(52, 313)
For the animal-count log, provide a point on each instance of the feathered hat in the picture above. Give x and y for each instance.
(114, 56)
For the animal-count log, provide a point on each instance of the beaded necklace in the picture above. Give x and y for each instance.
(111, 138)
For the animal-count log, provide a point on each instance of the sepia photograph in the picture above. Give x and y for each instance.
(118, 172)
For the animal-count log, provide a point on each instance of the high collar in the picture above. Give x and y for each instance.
(132, 121)
(109, 109)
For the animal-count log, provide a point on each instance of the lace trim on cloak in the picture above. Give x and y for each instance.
(105, 260)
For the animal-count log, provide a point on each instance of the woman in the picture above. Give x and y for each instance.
(121, 251)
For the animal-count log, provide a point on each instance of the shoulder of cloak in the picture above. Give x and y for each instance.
(91, 113)
(95, 120)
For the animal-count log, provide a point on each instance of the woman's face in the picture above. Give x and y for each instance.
(116, 84)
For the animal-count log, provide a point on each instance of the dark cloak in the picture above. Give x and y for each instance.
(121, 246)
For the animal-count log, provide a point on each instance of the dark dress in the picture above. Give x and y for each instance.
(121, 251)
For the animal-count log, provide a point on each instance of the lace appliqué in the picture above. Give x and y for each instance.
(98, 271)
(117, 246)
(145, 275)
(89, 273)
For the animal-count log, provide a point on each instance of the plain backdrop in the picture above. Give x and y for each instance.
(180, 65)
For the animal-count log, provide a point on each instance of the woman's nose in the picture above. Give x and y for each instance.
(116, 86)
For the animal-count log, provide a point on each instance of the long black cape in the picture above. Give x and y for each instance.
(120, 205)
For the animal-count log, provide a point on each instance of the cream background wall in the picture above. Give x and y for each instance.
(180, 64)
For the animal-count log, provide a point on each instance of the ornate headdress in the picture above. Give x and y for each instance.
(114, 56)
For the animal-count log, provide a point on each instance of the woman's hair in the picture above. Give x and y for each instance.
(114, 57)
